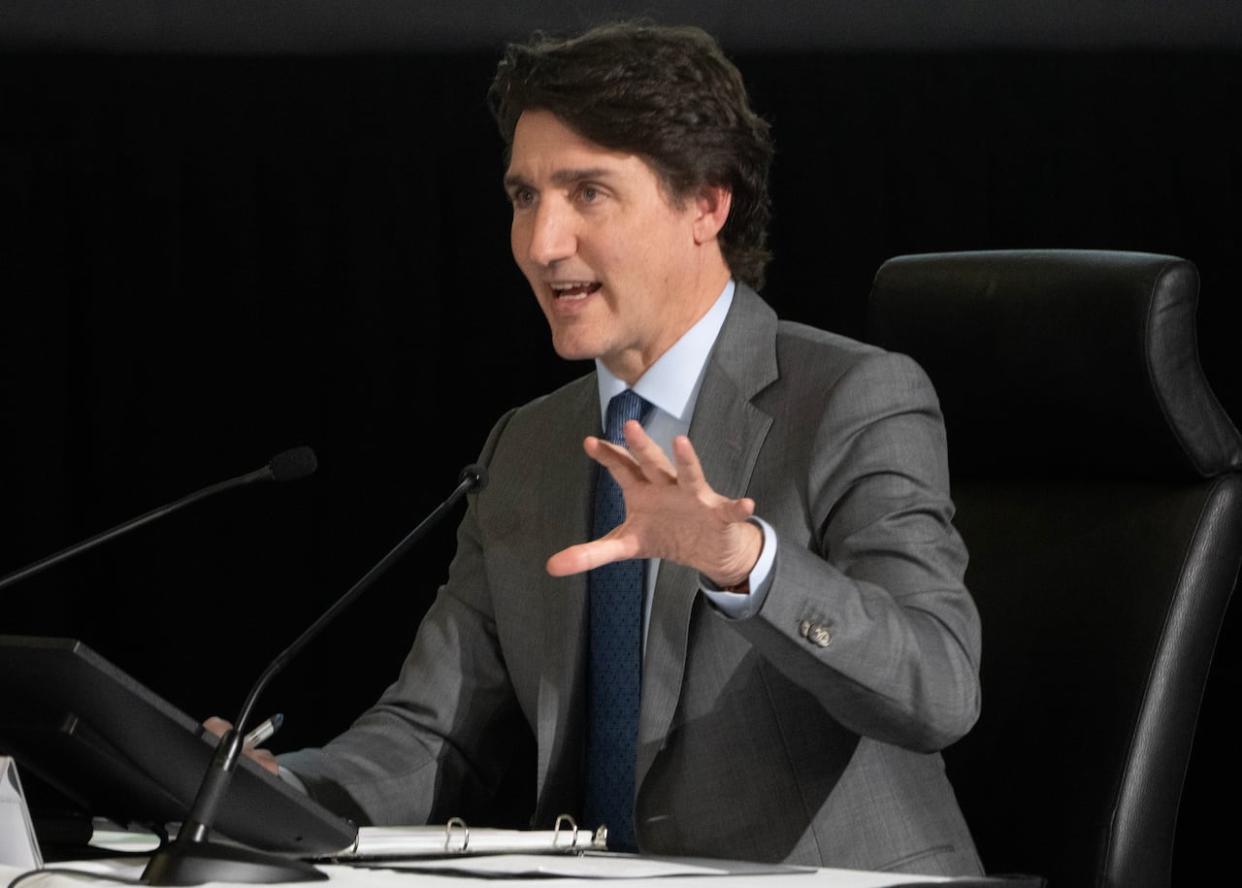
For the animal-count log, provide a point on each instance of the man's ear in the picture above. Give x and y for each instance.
(711, 206)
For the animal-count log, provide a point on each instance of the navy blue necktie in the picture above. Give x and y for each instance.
(615, 606)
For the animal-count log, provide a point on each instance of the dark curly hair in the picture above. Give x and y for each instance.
(666, 94)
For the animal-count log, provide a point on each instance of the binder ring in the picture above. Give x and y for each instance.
(448, 835)
(566, 822)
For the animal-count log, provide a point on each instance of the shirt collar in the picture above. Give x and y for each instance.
(672, 383)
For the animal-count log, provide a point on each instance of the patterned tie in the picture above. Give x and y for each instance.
(615, 596)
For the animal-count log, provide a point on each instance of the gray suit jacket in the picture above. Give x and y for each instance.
(807, 733)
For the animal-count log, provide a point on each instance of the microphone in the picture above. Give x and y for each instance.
(292, 465)
(289, 465)
(192, 859)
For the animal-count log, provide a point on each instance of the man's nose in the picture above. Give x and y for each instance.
(552, 236)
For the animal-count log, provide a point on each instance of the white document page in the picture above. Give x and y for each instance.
(579, 866)
(18, 846)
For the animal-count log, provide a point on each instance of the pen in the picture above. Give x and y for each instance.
(264, 732)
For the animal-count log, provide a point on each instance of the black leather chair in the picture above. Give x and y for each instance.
(1099, 491)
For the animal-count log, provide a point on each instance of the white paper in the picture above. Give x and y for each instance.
(111, 837)
(580, 866)
(18, 845)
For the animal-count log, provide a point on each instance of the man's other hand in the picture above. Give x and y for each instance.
(670, 513)
(262, 757)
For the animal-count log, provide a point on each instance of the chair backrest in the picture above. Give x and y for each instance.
(1098, 489)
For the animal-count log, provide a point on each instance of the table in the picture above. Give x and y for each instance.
(128, 869)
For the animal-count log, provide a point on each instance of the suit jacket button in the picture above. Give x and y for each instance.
(819, 635)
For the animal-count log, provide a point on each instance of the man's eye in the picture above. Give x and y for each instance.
(589, 194)
(523, 197)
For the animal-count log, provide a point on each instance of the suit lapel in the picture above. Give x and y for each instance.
(727, 431)
(564, 519)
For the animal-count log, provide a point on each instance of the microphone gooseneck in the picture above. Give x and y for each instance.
(192, 859)
(287, 466)
(476, 472)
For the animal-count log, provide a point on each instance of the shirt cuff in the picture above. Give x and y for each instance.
(740, 605)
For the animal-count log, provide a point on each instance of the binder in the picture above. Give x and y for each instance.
(456, 838)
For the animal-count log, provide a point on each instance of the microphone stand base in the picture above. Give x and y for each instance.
(191, 863)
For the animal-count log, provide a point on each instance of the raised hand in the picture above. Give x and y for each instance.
(671, 512)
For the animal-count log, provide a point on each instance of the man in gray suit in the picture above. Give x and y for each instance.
(749, 636)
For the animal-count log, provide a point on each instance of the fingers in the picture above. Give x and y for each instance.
(690, 475)
(617, 460)
(640, 460)
(646, 461)
(651, 459)
(217, 726)
(587, 556)
(733, 511)
(689, 469)
(263, 759)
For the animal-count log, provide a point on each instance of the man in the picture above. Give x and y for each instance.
(748, 637)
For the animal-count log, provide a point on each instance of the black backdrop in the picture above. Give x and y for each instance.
(208, 258)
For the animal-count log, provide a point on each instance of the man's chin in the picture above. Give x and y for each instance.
(575, 350)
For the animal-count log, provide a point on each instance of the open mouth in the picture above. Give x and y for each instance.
(575, 289)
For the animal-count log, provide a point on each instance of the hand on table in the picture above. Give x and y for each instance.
(671, 512)
(262, 757)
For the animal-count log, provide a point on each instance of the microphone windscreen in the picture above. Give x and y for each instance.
(293, 464)
(476, 472)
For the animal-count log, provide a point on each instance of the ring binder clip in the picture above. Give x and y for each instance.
(566, 822)
(600, 839)
(448, 835)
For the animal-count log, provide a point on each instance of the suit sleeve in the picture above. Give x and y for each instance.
(433, 745)
(872, 616)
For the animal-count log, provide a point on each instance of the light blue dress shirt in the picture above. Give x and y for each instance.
(672, 386)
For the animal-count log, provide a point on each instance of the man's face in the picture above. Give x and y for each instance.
(619, 271)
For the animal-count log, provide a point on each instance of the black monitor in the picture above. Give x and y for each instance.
(117, 750)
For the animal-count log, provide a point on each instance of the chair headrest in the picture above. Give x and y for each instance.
(1059, 361)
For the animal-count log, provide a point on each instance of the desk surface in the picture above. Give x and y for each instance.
(129, 869)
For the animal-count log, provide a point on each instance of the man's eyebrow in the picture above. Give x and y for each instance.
(561, 178)
(514, 181)
(569, 177)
